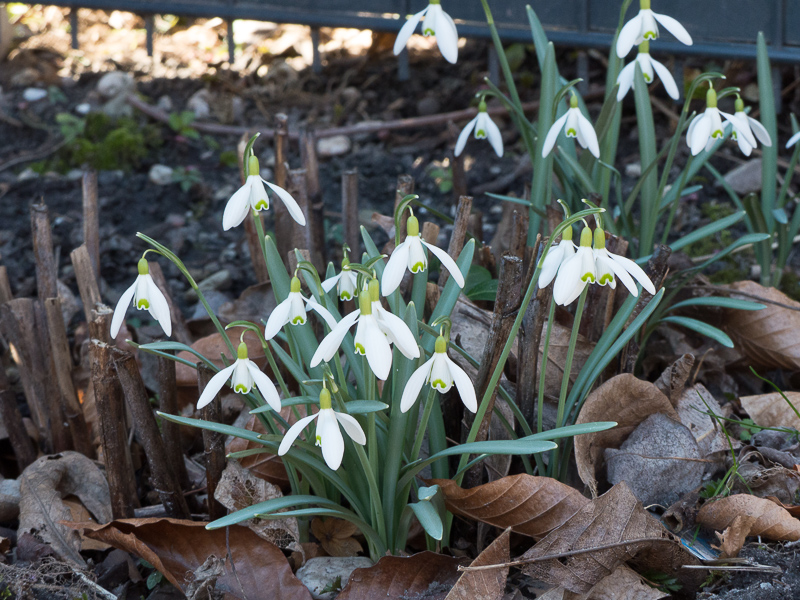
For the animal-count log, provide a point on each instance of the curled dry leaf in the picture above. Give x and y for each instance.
(485, 585)
(772, 410)
(254, 568)
(794, 509)
(674, 378)
(616, 516)
(732, 539)
(238, 489)
(426, 575)
(265, 465)
(44, 484)
(692, 406)
(336, 536)
(768, 337)
(772, 521)
(624, 399)
(530, 505)
(624, 584)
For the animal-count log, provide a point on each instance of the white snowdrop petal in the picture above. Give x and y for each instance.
(407, 30)
(352, 428)
(447, 262)
(628, 35)
(291, 204)
(277, 319)
(121, 309)
(395, 269)
(675, 28)
(464, 136)
(414, 386)
(667, 79)
(331, 438)
(237, 207)
(378, 351)
(293, 433)
(760, 132)
(552, 135)
(330, 343)
(464, 385)
(331, 282)
(495, 137)
(159, 307)
(635, 270)
(265, 386)
(446, 34)
(214, 385)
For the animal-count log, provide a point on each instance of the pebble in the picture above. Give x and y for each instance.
(165, 104)
(114, 83)
(175, 220)
(428, 106)
(633, 170)
(198, 104)
(745, 178)
(319, 573)
(34, 94)
(160, 174)
(336, 145)
(27, 174)
(220, 280)
(84, 108)
(74, 174)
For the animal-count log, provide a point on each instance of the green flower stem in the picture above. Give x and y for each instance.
(542, 375)
(423, 425)
(565, 379)
(374, 490)
(419, 290)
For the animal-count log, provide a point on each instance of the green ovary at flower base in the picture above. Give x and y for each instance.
(575, 125)
(345, 282)
(293, 311)
(484, 128)
(144, 295)
(706, 128)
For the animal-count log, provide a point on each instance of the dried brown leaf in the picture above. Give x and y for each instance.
(530, 505)
(264, 465)
(254, 568)
(44, 484)
(793, 509)
(674, 378)
(772, 410)
(624, 399)
(624, 584)
(768, 337)
(732, 539)
(239, 489)
(616, 516)
(485, 585)
(336, 536)
(772, 521)
(426, 575)
(557, 359)
(692, 407)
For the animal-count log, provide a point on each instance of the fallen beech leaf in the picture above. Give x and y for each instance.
(530, 505)
(793, 510)
(253, 303)
(426, 575)
(264, 465)
(674, 378)
(557, 359)
(624, 584)
(771, 410)
(768, 337)
(732, 539)
(43, 485)
(772, 521)
(616, 516)
(624, 399)
(238, 489)
(179, 548)
(336, 536)
(485, 585)
(692, 407)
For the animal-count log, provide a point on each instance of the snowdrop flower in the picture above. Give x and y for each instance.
(576, 126)
(706, 128)
(144, 294)
(751, 129)
(649, 67)
(441, 372)
(644, 26)
(484, 128)
(371, 339)
(345, 282)
(576, 273)
(437, 23)
(608, 265)
(393, 326)
(293, 310)
(556, 257)
(328, 435)
(793, 140)
(243, 375)
(253, 196)
(411, 254)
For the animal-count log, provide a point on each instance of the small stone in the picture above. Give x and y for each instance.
(224, 192)
(633, 170)
(221, 280)
(165, 104)
(428, 106)
(336, 145)
(74, 174)
(319, 573)
(198, 104)
(27, 174)
(160, 174)
(175, 220)
(750, 92)
(34, 94)
(746, 178)
(114, 83)
(84, 108)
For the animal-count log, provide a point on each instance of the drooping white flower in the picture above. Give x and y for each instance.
(393, 326)
(437, 23)
(243, 373)
(752, 129)
(145, 295)
(576, 273)
(484, 128)
(371, 339)
(441, 372)
(644, 26)
(575, 125)
(345, 282)
(410, 254)
(650, 67)
(293, 310)
(253, 196)
(608, 264)
(556, 257)
(706, 128)
(328, 435)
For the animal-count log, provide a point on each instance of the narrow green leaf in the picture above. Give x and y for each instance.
(272, 506)
(707, 230)
(701, 328)
(573, 430)
(429, 518)
(769, 164)
(647, 151)
(720, 301)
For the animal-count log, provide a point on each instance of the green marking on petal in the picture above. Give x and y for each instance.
(589, 277)
(418, 267)
(298, 320)
(647, 78)
(262, 205)
(717, 134)
(571, 132)
(360, 349)
(319, 440)
(427, 31)
(143, 304)
(438, 384)
(240, 389)
(606, 278)
(345, 296)
(480, 133)
(650, 35)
